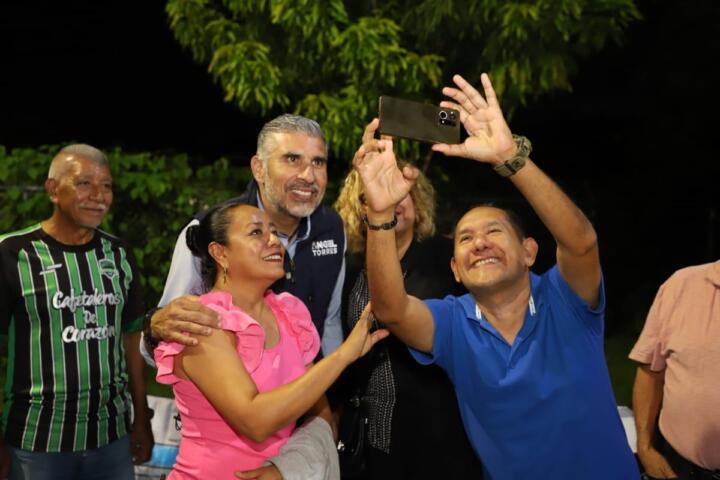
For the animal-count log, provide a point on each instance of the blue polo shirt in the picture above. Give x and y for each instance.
(542, 407)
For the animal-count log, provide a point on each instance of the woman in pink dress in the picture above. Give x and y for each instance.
(240, 390)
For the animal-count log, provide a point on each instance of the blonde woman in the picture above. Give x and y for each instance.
(414, 427)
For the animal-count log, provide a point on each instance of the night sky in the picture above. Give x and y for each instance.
(633, 143)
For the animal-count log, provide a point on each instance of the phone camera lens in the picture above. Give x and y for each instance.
(443, 115)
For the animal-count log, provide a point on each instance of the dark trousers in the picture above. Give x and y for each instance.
(683, 468)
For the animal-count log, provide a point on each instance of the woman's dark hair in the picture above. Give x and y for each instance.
(213, 227)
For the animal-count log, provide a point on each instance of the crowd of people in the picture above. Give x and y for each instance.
(489, 370)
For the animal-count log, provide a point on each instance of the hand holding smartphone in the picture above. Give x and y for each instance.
(418, 121)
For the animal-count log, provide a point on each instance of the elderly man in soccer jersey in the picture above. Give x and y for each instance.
(72, 306)
(524, 351)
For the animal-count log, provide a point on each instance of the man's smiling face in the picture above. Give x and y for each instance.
(294, 175)
(488, 253)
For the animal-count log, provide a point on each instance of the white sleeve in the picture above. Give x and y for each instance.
(332, 330)
(183, 278)
(309, 454)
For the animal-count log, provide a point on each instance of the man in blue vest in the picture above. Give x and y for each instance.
(524, 351)
(289, 179)
(290, 176)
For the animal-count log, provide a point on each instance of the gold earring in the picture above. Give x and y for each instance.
(224, 274)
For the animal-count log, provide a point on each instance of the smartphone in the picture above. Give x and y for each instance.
(418, 121)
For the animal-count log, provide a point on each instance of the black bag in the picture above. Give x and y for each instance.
(353, 424)
(351, 438)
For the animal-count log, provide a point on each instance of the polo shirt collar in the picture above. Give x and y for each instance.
(536, 302)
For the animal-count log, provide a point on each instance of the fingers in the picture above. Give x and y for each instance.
(180, 337)
(468, 97)
(372, 339)
(366, 319)
(248, 474)
(410, 173)
(359, 155)
(370, 147)
(369, 133)
(141, 452)
(190, 309)
(378, 335)
(455, 150)
(668, 472)
(189, 326)
(183, 316)
(490, 95)
(366, 316)
(270, 472)
(141, 456)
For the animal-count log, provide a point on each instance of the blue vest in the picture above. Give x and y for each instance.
(312, 273)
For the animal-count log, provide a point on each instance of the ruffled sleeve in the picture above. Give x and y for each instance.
(250, 337)
(298, 318)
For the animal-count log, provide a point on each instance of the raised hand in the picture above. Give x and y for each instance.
(384, 183)
(490, 139)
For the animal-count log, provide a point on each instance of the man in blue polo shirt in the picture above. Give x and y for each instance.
(524, 351)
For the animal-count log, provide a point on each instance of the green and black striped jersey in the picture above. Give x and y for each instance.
(64, 308)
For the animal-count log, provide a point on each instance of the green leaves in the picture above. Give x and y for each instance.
(248, 76)
(307, 56)
(332, 59)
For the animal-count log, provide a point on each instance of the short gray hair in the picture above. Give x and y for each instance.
(58, 166)
(286, 123)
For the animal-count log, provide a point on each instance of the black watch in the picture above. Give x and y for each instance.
(150, 341)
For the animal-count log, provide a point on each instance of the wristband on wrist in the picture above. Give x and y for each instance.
(510, 167)
(382, 226)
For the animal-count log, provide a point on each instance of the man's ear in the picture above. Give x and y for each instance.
(218, 253)
(530, 247)
(258, 169)
(51, 186)
(453, 267)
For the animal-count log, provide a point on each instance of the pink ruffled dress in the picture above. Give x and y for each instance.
(209, 447)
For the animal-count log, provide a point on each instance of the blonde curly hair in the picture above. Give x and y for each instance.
(349, 206)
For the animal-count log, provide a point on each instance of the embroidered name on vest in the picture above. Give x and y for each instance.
(321, 248)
